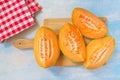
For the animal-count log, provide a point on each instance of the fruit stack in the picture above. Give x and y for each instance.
(71, 42)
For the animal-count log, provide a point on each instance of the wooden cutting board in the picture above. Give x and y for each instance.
(55, 24)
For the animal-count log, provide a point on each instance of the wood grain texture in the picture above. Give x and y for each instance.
(23, 43)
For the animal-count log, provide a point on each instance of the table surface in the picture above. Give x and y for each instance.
(18, 64)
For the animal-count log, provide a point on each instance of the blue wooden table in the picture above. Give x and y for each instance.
(18, 64)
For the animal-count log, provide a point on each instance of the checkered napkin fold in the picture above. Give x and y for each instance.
(16, 16)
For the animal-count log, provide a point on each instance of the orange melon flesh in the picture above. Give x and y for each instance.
(46, 49)
(99, 51)
(88, 23)
(71, 43)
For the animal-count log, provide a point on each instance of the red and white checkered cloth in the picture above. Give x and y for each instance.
(16, 16)
(33, 6)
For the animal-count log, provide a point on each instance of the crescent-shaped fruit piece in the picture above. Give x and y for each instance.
(88, 23)
(99, 51)
(71, 43)
(46, 49)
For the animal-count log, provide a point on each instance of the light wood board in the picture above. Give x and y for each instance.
(55, 24)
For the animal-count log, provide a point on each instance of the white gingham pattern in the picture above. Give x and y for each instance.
(15, 16)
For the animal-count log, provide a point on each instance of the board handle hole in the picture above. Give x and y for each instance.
(20, 43)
